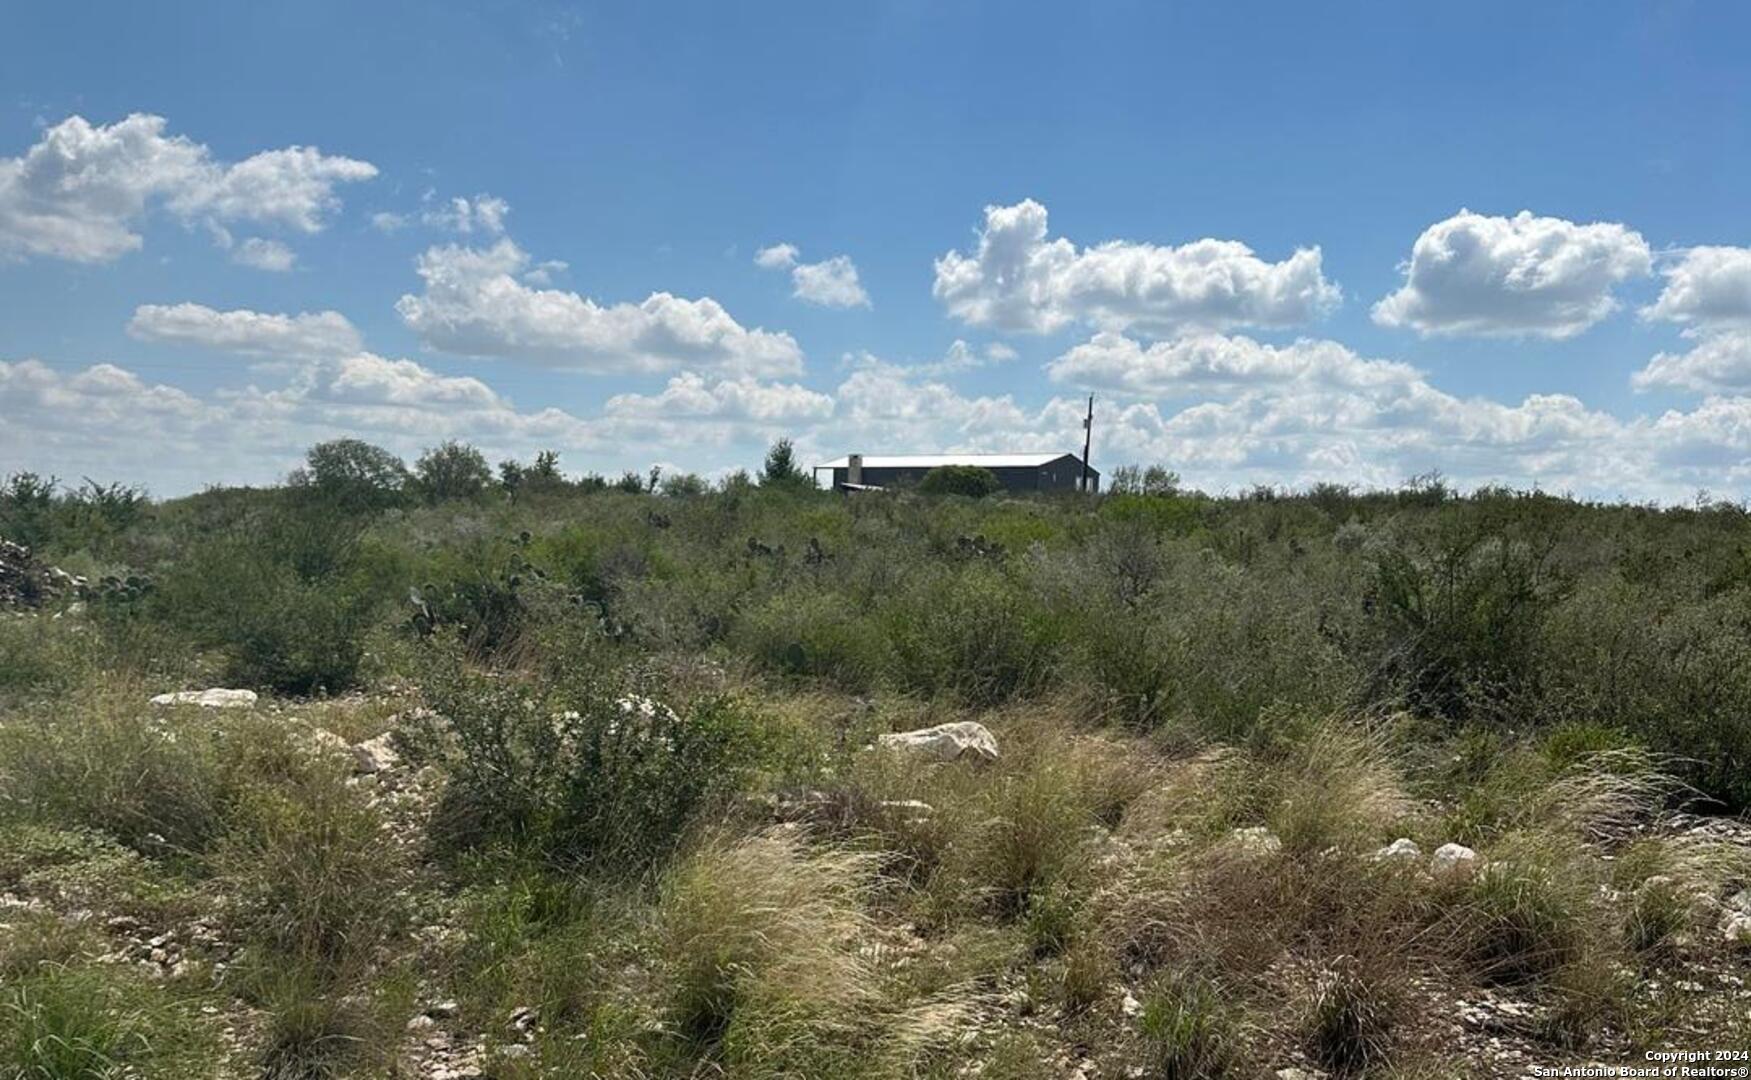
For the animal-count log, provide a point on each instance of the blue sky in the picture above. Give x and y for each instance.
(1238, 225)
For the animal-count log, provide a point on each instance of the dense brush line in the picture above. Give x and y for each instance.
(625, 819)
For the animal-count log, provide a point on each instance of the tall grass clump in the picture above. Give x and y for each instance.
(40, 655)
(1538, 914)
(102, 761)
(313, 1029)
(1352, 1016)
(758, 942)
(310, 874)
(1028, 830)
(1189, 1030)
(63, 1021)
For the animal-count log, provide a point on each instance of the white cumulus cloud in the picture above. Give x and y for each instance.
(368, 379)
(776, 257)
(692, 395)
(1708, 287)
(831, 282)
(1719, 362)
(83, 190)
(1209, 363)
(1708, 291)
(483, 213)
(98, 420)
(1524, 275)
(475, 304)
(308, 335)
(960, 356)
(1016, 279)
(263, 254)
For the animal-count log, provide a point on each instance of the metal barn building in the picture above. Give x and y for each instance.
(1016, 472)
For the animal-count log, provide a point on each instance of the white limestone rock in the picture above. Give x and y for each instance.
(1454, 863)
(375, 755)
(965, 740)
(1256, 840)
(1402, 850)
(215, 698)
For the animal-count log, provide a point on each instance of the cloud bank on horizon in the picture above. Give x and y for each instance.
(1175, 336)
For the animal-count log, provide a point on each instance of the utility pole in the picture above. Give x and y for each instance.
(1087, 440)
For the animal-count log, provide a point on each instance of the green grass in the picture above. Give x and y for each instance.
(1189, 1030)
(90, 1023)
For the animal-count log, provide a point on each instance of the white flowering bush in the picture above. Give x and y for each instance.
(581, 772)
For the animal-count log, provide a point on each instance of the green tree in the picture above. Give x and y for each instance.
(353, 473)
(684, 485)
(1138, 480)
(781, 469)
(26, 503)
(452, 470)
(546, 468)
(970, 480)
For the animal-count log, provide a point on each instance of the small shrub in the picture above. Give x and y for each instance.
(1462, 615)
(1131, 661)
(684, 486)
(581, 769)
(288, 598)
(975, 635)
(42, 656)
(301, 639)
(821, 635)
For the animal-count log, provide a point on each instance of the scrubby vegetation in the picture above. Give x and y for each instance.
(560, 776)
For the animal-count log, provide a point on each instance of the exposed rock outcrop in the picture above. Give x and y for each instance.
(215, 698)
(964, 740)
